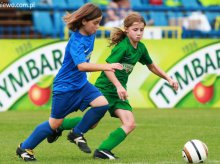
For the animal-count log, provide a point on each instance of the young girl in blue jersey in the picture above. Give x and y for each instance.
(71, 89)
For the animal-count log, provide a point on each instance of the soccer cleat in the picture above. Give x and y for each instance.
(80, 141)
(53, 137)
(25, 154)
(104, 154)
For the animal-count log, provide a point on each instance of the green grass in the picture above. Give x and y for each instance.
(158, 138)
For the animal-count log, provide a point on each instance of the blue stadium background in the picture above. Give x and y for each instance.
(45, 20)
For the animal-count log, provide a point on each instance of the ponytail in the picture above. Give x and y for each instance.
(117, 35)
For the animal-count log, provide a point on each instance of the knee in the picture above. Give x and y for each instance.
(130, 126)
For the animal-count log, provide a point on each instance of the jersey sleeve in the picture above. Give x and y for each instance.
(77, 52)
(145, 58)
(116, 55)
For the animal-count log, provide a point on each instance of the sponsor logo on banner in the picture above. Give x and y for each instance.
(17, 79)
(188, 72)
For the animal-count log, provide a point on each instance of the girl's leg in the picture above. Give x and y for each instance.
(127, 120)
(41, 132)
(117, 136)
(68, 124)
(93, 115)
(24, 150)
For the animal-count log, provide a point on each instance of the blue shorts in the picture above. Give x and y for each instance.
(68, 102)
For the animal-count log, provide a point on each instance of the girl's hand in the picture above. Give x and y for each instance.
(114, 66)
(174, 84)
(122, 93)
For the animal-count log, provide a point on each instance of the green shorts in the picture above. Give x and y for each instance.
(116, 103)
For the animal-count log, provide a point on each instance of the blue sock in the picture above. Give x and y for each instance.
(91, 117)
(37, 136)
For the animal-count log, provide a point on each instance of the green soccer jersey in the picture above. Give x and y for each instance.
(128, 56)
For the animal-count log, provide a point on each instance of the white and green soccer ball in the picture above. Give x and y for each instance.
(195, 151)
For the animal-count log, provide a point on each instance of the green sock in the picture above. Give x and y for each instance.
(70, 123)
(114, 139)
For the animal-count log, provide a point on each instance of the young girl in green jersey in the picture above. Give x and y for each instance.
(128, 50)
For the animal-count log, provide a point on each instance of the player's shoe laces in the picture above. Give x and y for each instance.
(25, 154)
(54, 136)
(104, 154)
(80, 141)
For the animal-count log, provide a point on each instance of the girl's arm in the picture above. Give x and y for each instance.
(91, 67)
(122, 93)
(156, 70)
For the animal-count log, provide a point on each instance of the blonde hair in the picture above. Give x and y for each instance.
(118, 34)
(88, 12)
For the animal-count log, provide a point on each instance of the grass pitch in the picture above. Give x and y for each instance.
(158, 138)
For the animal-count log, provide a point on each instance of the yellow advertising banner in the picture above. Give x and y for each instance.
(28, 67)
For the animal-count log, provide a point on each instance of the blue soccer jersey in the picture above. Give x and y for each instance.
(78, 50)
